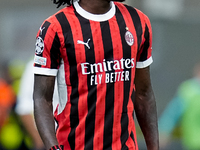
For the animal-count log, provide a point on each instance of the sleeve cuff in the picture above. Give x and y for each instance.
(45, 71)
(144, 63)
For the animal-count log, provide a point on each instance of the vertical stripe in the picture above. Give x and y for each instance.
(74, 120)
(132, 13)
(57, 147)
(133, 130)
(64, 118)
(44, 28)
(118, 86)
(146, 27)
(82, 79)
(42, 34)
(144, 51)
(91, 99)
(62, 147)
(137, 24)
(45, 38)
(55, 53)
(49, 44)
(148, 24)
(132, 136)
(109, 102)
(126, 55)
(129, 12)
(101, 87)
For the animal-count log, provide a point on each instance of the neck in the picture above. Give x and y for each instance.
(95, 6)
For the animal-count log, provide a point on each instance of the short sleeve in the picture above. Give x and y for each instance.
(47, 50)
(144, 57)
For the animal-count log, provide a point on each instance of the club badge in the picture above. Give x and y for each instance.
(129, 37)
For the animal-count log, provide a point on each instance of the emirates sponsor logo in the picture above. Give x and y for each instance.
(114, 70)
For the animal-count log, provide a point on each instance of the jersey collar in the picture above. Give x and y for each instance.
(95, 17)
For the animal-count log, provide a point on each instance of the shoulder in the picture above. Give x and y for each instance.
(64, 12)
(134, 12)
(68, 10)
(52, 24)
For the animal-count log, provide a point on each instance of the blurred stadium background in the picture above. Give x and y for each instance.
(176, 37)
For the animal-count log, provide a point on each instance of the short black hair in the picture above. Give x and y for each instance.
(62, 2)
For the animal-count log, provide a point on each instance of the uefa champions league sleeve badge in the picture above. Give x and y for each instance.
(39, 46)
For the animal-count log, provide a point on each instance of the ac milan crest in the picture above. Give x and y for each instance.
(129, 38)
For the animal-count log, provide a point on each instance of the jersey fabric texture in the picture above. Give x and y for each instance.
(100, 54)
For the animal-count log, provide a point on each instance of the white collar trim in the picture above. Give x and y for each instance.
(95, 17)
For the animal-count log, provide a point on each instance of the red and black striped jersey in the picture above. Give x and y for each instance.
(100, 54)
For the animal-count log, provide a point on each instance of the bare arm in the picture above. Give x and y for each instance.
(43, 109)
(145, 108)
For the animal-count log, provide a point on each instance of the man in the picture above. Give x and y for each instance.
(100, 43)
(183, 112)
(7, 100)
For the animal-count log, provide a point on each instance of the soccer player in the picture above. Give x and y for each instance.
(105, 47)
(183, 112)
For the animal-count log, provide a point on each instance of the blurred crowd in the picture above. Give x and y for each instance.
(180, 119)
(17, 127)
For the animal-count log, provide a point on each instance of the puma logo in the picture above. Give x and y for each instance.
(41, 29)
(84, 43)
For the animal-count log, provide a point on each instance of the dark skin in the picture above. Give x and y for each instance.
(145, 107)
(96, 6)
(43, 109)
